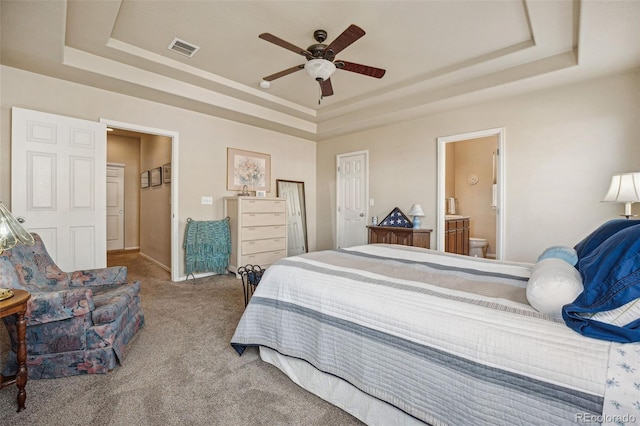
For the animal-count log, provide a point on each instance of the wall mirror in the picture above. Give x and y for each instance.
(293, 192)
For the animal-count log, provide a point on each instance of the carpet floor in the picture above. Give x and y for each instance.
(179, 369)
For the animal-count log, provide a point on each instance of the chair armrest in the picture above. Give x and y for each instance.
(97, 277)
(50, 306)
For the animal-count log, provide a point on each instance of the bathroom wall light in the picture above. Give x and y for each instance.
(624, 188)
(417, 212)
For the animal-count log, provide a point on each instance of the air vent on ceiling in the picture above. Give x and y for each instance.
(183, 48)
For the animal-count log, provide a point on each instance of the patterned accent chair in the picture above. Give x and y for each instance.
(78, 322)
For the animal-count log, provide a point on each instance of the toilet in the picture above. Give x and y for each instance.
(478, 247)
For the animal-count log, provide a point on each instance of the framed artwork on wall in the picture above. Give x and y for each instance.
(144, 179)
(166, 173)
(252, 169)
(156, 176)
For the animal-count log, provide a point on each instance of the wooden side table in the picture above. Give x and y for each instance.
(17, 305)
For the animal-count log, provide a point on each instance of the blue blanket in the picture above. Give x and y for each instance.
(611, 277)
(207, 246)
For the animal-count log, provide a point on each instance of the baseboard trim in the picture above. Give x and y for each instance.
(124, 251)
(165, 267)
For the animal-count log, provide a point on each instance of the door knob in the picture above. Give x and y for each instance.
(361, 214)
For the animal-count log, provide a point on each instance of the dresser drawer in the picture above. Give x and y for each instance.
(262, 232)
(263, 219)
(262, 259)
(263, 206)
(259, 246)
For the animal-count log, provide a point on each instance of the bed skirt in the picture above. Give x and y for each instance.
(338, 392)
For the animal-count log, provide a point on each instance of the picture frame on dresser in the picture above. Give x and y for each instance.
(248, 168)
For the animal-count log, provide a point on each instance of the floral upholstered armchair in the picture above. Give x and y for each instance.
(78, 322)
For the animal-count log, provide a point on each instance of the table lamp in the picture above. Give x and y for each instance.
(624, 188)
(417, 212)
(11, 232)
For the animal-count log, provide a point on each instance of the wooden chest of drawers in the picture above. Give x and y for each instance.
(258, 230)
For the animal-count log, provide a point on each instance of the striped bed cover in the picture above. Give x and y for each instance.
(447, 339)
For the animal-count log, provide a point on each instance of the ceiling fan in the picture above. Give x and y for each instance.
(321, 58)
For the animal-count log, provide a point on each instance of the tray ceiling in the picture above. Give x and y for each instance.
(438, 54)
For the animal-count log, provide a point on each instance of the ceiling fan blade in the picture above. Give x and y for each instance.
(284, 72)
(326, 87)
(280, 42)
(343, 41)
(360, 69)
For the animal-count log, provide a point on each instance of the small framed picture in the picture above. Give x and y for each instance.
(144, 179)
(166, 173)
(156, 176)
(261, 193)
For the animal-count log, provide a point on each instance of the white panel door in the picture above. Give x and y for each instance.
(115, 206)
(58, 185)
(295, 231)
(352, 195)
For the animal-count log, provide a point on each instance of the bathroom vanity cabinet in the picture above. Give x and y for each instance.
(456, 237)
(403, 236)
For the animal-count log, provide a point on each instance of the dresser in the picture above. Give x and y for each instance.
(403, 236)
(258, 230)
(456, 235)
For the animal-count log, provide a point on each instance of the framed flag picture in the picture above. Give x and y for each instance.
(397, 219)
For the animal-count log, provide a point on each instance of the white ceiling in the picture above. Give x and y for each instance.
(438, 54)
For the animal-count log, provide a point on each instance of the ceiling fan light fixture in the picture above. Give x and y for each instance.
(320, 69)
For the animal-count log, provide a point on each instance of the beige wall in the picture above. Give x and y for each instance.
(562, 147)
(126, 150)
(203, 141)
(155, 202)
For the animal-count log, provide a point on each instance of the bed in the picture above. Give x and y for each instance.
(402, 335)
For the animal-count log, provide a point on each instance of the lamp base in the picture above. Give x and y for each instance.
(416, 222)
(629, 215)
(5, 293)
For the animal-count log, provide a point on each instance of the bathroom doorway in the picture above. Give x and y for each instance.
(470, 184)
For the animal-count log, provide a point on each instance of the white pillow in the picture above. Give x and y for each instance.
(553, 284)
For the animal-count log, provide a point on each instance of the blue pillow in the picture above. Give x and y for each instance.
(567, 254)
(597, 237)
(611, 278)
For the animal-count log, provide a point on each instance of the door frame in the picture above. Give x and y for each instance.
(499, 132)
(338, 191)
(175, 175)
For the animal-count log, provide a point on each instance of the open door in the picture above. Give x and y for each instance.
(58, 185)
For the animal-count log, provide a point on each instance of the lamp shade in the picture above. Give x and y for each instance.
(416, 210)
(11, 231)
(624, 188)
(320, 69)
